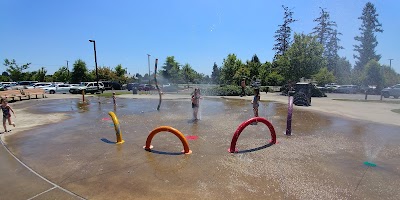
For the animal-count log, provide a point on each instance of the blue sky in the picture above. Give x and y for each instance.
(47, 32)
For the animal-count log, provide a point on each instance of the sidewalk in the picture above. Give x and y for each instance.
(18, 181)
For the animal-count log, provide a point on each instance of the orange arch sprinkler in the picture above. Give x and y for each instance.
(177, 133)
(242, 126)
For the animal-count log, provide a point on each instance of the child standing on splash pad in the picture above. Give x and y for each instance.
(6, 114)
(255, 101)
(196, 103)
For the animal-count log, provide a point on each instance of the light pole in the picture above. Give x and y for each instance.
(67, 69)
(390, 62)
(148, 58)
(95, 61)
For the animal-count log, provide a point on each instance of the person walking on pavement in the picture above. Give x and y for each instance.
(243, 85)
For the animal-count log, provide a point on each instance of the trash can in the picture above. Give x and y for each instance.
(134, 90)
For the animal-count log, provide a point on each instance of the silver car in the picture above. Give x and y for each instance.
(60, 88)
(391, 91)
(348, 89)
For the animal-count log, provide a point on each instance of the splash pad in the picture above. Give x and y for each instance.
(209, 173)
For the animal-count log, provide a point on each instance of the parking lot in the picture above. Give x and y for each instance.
(358, 97)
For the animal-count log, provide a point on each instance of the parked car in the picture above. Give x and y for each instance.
(60, 88)
(112, 85)
(146, 87)
(348, 89)
(370, 89)
(42, 85)
(130, 86)
(27, 83)
(88, 87)
(331, 87)
(391, 91)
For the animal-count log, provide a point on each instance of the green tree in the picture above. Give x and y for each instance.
(254, 66)
(29, 75)
(243, 71)
(373, 74)
(79, 72)
(175, 74)
(264, 70)
(215, 75)
(282, 35)
(188, 73)
(324, 76)
(62, 75)
(229, 68)
(171, 69)
(40, 75)
(274, 79)
(327, 35)
(324, 28)
(15, 71)
(390, 76)
(206, 79)
(343, 72)
(120, 73)
(5, 77)
(48, 78)
(331, 53)
(105, 73)
(303, 59)
(369, 26)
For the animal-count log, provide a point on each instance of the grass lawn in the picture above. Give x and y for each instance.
(374, 101)
(396, 110)
(109, 94)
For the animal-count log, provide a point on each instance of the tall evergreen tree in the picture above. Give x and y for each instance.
(283, 34)
(369, 26)
(255, 59)
(324, 28)
(327, 35)
(331, 52)
(215, 75)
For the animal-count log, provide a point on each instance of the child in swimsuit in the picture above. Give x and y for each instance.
(196, 102)
(6, 114)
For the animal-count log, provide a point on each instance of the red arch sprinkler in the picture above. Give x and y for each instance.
(243, 125)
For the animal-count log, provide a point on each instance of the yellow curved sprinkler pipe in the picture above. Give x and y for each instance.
(117, 128)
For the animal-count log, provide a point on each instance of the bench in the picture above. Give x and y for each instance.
(34, 92)
(12, 94)
(6, 95)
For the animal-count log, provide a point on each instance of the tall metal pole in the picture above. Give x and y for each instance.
(390, 62)
(148, 58)
(95, 61)
(67, 70)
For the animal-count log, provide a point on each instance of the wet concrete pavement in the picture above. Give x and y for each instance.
(322, 160)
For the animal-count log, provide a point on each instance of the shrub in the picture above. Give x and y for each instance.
(231, 90)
